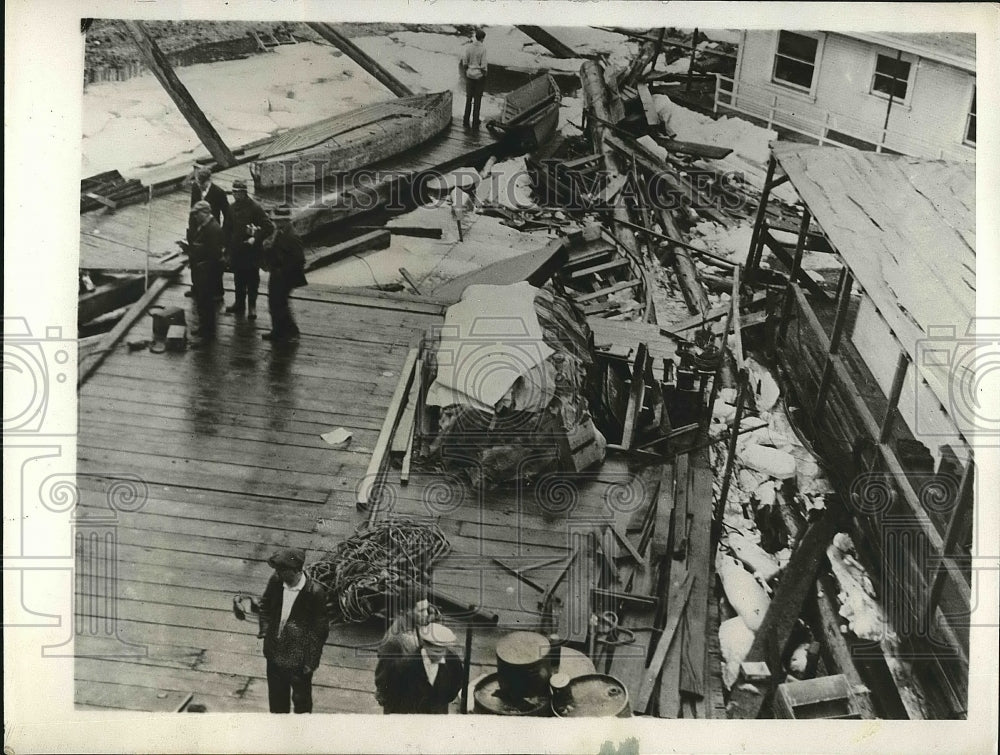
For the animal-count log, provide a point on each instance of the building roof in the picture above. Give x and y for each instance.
(954, 48)
(906, 228)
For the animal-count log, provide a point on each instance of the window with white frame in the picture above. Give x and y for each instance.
(970, 122)
(891, 76)
(795, 60)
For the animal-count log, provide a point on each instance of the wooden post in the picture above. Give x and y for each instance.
(164, 73)
(902, 364)
(759, 222)
(963, 503)
(359, 56)
(467, 671)
(659, 48)
(800, 245)
(727, 476)
(694, 50)
(843, 300)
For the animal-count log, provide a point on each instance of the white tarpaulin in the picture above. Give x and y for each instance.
(489, 340)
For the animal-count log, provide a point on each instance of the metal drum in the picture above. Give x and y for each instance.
(591, 695)
(524, 665)
(488, 698)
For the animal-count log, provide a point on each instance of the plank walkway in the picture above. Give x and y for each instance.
(193, 467)
(222, 448)
(118, 240)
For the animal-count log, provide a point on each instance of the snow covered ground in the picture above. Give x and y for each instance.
(133, 125)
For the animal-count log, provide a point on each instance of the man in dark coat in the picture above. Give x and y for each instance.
(203, 190)
(421, 681)
(204, 248)
(250, 226)
(294, 625)
(285, 261)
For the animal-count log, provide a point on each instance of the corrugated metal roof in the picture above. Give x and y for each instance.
(906, 228)
(954, 48)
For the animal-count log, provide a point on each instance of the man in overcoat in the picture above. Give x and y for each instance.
(203, 190)
(284, 259)
(294, 625)
(204, 248)
(424, 680)
(250, 226)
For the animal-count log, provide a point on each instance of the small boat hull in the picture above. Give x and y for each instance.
(352, 140)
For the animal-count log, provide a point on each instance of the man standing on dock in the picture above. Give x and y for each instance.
(294, 625)
(285, 260)
(204, 248)
(250, 226)
(421, 680)
(473, 69)
(203, 190)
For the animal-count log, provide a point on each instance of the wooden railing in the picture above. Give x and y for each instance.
(826, 126)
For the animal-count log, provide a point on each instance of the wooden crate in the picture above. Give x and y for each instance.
(823, 697)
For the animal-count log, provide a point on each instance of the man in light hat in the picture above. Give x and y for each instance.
(204, 248)
(250, 226)
(424, 681)
(203, 190)
(294, 625)
(285, 261)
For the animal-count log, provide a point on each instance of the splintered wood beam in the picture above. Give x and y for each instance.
(368, 489)
(359, 56)
(660, 655)
(798, 579)
(164, 73)
(636, 395)
(550, 43)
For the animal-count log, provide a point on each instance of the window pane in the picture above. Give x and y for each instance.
(797, 46)
(886, 65)
(973, 110)
(970, 133)
(793, 72)
(884, 84)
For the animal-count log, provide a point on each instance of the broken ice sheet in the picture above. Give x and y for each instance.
(338, 438)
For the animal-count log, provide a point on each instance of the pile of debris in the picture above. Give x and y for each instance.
(509, 374)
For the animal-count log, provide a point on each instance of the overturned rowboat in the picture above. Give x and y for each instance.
(351, 140)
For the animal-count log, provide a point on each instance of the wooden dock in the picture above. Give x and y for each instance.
(117, 240)
(222, 448)
(225, 447)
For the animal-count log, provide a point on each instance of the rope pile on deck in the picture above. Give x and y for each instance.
(377, 564)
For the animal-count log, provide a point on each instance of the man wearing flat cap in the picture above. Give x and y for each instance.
(422, 681)
(250, 226)
(203, 190)
(204, 248)
(294, 625)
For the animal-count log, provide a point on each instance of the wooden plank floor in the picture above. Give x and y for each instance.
(222, 448)
(211, 459)
(118, 240)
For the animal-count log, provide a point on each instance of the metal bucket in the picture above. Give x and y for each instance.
(163, 318)
(592, 695)
(524, 665)
(488, 698)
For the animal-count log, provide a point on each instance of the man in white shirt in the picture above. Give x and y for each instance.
(425, 681)
(473, 67)
(294, 626)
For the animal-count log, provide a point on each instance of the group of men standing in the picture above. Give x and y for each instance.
(417, 671)
(247, 239)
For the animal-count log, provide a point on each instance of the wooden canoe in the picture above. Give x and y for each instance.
(351, 140)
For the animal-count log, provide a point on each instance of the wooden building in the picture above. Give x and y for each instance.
(913, 94)
(882, 380)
